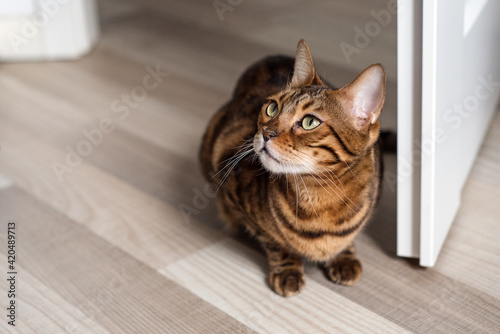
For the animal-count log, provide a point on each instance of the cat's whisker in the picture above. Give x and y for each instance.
(233, 165)
(334, 191)
(330, 172)
(296, 198)
(232, 160)
(303, 161)
(347, 204)
(341, 190)
(226, 175)
(264, 172)
(250, 139)
(336, 200)
(273, 177)
(310, 200)
(243, 147)
(328, 183)
(286, 176)
(336, 186)
(340, 181)
(240, 148)
(350, 169)
(236, 155)
(253, 159)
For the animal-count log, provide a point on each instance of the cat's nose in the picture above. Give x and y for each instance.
(268, 134)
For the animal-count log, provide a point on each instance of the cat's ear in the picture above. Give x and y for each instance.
(304, 72)
(364, 98)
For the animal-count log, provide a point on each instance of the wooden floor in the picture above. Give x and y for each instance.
(102, 246)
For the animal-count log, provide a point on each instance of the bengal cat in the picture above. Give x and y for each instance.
(297, 164)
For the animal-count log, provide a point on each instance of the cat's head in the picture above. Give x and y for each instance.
(309, 127)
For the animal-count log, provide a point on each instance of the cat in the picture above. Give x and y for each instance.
(298, 165)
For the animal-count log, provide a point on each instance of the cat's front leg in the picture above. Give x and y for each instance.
(344, 268)
(286, 275)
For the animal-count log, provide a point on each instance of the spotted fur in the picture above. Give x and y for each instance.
(301, 193)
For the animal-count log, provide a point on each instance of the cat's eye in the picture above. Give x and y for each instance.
(272, 109)
(310, 122)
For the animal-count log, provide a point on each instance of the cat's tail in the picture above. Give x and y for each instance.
(389, 141)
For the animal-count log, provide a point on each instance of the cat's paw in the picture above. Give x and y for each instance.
(345, 270)
(287, 283)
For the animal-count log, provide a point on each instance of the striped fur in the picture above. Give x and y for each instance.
(301, 193)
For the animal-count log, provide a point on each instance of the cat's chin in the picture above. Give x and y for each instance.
(272, 161)
(273, 165)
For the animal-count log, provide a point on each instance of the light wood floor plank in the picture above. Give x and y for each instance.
(108, 285)
(471, 253)
(420, 300)
(128, 218)
(41, 310)
(4, 182)
(230, 276)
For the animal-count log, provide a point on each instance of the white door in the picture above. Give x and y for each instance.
(460, 86)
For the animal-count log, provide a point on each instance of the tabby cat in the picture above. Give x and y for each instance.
(298, 165)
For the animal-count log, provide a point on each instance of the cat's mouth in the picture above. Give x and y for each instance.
(266, 151)
(273, 162)
(269, 158)
(272, 159)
